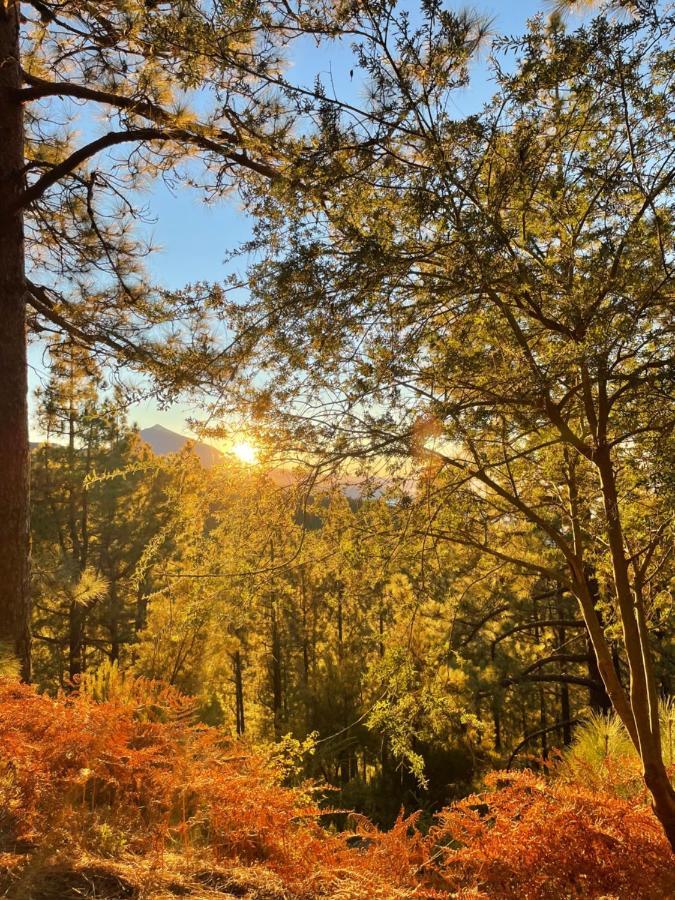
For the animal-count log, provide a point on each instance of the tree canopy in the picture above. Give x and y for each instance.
(494, 296)
(455, 332)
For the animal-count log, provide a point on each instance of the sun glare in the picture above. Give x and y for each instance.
(245, 452)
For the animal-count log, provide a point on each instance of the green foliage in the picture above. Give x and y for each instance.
(603, 757)
(289, 755)
(405, 669)
(417, 706)
(480, 306)
(469, 315)
(10, 666)
(117, 96)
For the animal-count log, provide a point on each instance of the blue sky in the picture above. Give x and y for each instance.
(194, 238)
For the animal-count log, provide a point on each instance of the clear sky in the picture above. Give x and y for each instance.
(194, 238)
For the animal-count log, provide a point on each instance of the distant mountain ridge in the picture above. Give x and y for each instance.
(163, 441)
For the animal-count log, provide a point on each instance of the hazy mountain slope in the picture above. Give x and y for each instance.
(163, 441)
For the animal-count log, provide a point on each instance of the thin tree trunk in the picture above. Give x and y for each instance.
(380, 645)
(543, 724)
(340, 624)
(307, 699)
(275, 661)
(141, 614)
(587, 600)
(76, 612)
(85, 505)
(114, 624)
(498, 727)
(606, 667)
(565, 714)
(597, 696)
(643, 695)
(72, 475)
(239, 693)
(14, 449)
(277, 680)
(75, 641)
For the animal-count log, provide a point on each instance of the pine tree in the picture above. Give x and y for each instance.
(496, 292)
(122, 72)
(100, 503)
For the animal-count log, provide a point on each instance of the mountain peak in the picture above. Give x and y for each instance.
(159, 429)
(163, 441)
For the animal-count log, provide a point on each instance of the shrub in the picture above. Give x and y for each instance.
(136, 775)
(531, 838)
(603, 758)
(131, 777)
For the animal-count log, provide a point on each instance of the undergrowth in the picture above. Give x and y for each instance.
(602, 756)
(132, 787)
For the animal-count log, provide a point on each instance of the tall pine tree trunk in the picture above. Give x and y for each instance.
(14, 451)
(76, 613)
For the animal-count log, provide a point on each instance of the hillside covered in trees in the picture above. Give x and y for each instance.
(400, 622)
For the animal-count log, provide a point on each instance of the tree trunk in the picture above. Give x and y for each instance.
(305, 652)
(643, 694)
(275, 659)
(565, 710)
(585, 591)
(239, 693)
(76, 613)
(498, 727)
(543, 724)
(14, 450)
(277, 675)
(75, 641)
(598, 697)
(141, 614)
(114, 623)
(603, 656)
(340, 624)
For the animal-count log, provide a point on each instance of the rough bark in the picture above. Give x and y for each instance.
(14, 448)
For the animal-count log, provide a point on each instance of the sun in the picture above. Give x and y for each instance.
(246, 452)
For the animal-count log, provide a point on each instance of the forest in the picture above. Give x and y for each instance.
(390, 614)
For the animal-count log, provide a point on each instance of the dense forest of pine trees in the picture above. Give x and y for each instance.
(406, 670)
(416, 638)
